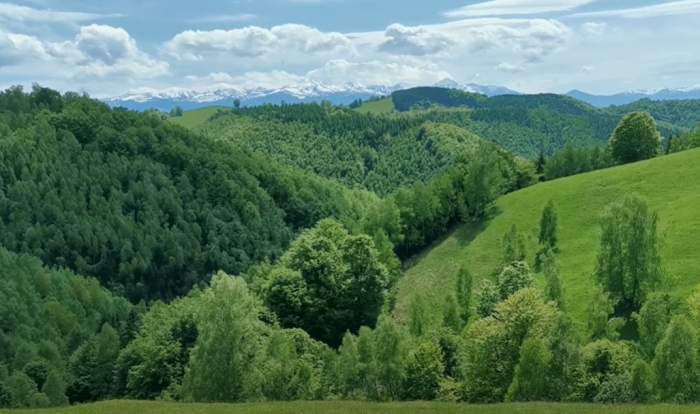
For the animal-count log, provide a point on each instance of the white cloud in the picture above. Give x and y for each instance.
(416, 40)
(516, 7)
(378, 73)
(255, 41)
(96, 51)
(594, 28)
(510, 67)
(14, 12)
(671, 8)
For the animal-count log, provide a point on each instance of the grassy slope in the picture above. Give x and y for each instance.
(349, 407)
(382, 106)
(197, 117)
(671, 184)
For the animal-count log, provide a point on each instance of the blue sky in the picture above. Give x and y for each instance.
(109, 48)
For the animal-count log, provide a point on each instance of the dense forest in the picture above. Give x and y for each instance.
(258, 259)
(532, 124)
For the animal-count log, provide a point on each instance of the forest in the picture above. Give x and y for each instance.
(259, 256)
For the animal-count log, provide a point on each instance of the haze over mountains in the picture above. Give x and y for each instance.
(223, 94)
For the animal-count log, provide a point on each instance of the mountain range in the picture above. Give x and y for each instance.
(313, 91)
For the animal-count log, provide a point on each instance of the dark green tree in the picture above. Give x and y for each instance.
(548, 227)
(635, 138)
(464, 294)
(675, 364)
(531, 381)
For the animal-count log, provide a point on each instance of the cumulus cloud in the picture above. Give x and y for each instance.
(531, 38)
(417, 40)
(97, 50)
(255, 41)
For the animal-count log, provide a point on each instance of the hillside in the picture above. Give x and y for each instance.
(668, 183)
(530, 124)
(196, 117)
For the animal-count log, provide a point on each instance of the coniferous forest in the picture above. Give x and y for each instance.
(261, 256)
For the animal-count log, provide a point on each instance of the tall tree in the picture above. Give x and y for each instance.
(548, 227)
(513, 246)
(629, 265)
(635, 138)
(223, 364)
(464, 294)
(531, 381)
(552, 282)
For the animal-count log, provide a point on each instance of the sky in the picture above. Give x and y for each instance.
(111, 48)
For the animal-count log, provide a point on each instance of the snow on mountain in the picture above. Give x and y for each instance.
(303, 92)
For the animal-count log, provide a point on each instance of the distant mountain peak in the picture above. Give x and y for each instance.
(303, 92)
(624, 98)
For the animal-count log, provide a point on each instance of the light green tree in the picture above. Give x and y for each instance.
(424, 371)
(675, 364)
(629, 264)
(224, 362)
(464, 294)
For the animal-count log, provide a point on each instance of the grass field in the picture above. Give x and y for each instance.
(197, 117)
(382, 106)
(670, 184)
(349, 407)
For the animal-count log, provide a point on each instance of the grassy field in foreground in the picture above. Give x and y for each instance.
(382, 106)
(349, 407)
(671, 185)
(196, 117)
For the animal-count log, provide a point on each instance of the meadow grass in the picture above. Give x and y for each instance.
(197, 117)
(351, 407)
(382, 106)
(671, 185)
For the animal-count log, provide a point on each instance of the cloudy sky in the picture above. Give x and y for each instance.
(109, 48)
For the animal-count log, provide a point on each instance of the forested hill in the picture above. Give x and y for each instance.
(148, 207)
(374, 152)
(530, 124)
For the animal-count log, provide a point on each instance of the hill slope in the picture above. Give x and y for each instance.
(668, 183)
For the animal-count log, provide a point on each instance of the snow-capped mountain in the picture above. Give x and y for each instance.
(625, 98)
(306, 92)
(488, 90)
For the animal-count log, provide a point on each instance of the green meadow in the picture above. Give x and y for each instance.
(670, 184)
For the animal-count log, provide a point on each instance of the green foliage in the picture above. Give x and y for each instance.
(47, 319)
(513, 246)
(333, 282)
(548, 227)
(642, 382)
(464, 294)
(55, 389)
(599, 310)
(531, 381)
(223, 364)
(687, 141)
(675, 363)
(492, 344)
(576, 160)
(604, 372)
(653, 319)
(424, 371)
(513, 277)
(553, 290)
(635, 138)
(629, 266)
(487, 297)
(450, 315)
